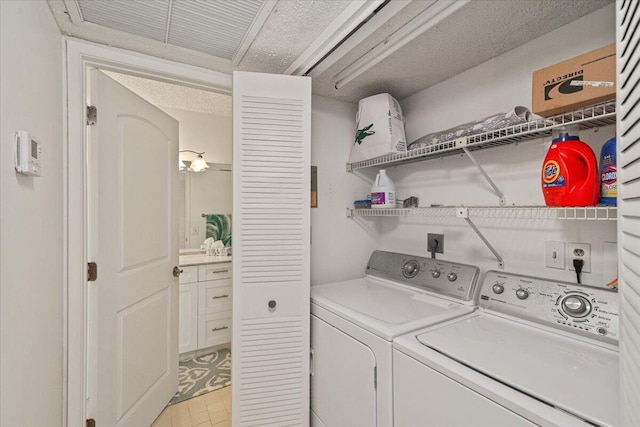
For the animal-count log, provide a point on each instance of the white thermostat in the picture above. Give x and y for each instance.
(27, 154)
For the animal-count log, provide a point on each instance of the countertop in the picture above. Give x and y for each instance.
(198, 259)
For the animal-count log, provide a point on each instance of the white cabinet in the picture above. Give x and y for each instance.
(188, 309)
(214, 304)
(205, 306)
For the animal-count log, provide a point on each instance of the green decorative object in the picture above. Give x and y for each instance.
(361, 134)
(219, 227)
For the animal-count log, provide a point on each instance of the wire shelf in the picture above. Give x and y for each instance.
(586, 118)
(590, 213)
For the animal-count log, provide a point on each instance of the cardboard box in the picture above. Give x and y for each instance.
(577, 82)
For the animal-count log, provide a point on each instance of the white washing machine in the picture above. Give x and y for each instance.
(353, 324)
(536, 352)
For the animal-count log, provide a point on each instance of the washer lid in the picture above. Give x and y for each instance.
(576, 376)
(382, 308)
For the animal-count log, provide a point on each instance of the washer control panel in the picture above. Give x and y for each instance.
(584, 310)
(435, 275)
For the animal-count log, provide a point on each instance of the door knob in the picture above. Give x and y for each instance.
(176, 271)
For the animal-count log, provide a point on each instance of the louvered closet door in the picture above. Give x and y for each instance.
(628, 35)
(271, 180)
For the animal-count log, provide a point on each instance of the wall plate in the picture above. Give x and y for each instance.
(554, 254)
(435, 241)
(579, 251)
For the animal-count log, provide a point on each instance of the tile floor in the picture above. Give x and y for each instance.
(209, 410)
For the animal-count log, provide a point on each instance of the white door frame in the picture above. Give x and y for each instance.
(81, 55)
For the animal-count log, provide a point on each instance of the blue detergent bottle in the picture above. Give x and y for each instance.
(608, 174)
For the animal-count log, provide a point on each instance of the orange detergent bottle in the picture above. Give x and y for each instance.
(570, 173)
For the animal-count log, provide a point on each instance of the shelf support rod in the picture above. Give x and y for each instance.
(464, 213)
(487, 177)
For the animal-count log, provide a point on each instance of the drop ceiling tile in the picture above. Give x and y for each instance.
(146, 18)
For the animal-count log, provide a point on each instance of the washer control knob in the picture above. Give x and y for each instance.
(498, 288)
(435, 273)
(452, 277)
(410, 269)
(522, 294)
(576, 306)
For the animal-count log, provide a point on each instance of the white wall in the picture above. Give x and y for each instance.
(31, 221)
(340, 247)
(497, 85)
(207, 192)
(204, 132)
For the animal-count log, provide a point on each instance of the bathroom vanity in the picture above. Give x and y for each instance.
(205, 302)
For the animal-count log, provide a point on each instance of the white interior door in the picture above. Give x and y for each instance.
(271, 294)
(628, 156)
(133, 231)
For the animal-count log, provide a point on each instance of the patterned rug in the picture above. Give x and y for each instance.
(203, 374)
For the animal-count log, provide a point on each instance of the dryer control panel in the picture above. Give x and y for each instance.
(455, 280)
(580, 309)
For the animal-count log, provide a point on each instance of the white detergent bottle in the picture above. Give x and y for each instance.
(383, 191)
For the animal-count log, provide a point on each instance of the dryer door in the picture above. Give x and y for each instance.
(343, 389)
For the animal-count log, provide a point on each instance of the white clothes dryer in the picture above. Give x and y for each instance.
(353, 324)
(536, 352)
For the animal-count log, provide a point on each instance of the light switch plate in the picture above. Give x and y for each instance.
(554, 254)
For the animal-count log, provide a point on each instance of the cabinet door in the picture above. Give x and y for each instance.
(214, 271)
(189, 274)
(343, 388)
(188, 317)
(214, 329)
(214, 296)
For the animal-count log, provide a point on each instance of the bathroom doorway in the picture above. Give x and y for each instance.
(82, 57)
(205, 212)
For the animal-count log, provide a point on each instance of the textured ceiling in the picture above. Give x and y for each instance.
(169, 95)
(289, 30)
(481, 30)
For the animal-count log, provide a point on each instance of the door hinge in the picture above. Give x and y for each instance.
(92, 115)
(91, 422)
(92, 272)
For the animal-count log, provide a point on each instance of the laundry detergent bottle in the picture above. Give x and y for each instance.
(383, 191)
(608, 173)
(570, 173)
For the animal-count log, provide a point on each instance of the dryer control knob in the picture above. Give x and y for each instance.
(576, 306)
(410, 269)
(435, 273)
(497, 288)
(522, 294)
(452, 277)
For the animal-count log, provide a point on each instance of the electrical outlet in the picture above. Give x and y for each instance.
(435, 243)
(554, 254)
(579, 251)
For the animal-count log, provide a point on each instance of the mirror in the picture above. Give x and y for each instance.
(205, 193)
